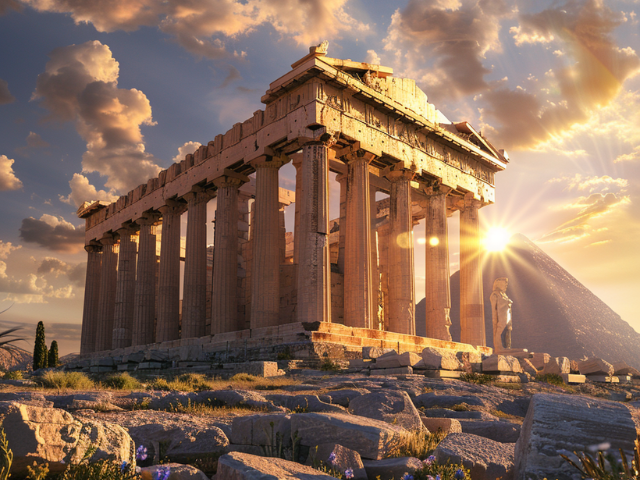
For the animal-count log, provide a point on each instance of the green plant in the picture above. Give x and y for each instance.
(6, 456)
(285, 354)
(276, 448)
(13, 375)
(65, 380)
(52, 360)
(38, 472)
(142, 405)
(473, 377)
(40, 359)
(551, 379)
(122, 381)
(416, 444)
(606, 467)
(329, 366)
(460, 407)
(7, 338)
(449, 471)
(243, 377)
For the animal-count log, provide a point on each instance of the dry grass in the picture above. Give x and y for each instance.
(195, 382)
(211, 410)
(507, 416)
(416, 444)
(65, 381)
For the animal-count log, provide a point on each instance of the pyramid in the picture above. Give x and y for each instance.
(552, 311)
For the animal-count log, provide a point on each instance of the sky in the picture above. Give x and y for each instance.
(96, 97)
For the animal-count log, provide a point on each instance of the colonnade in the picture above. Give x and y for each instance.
(124, 277)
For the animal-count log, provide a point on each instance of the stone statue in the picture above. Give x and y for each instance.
(501, 313)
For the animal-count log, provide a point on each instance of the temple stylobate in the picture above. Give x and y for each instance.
(381, 137)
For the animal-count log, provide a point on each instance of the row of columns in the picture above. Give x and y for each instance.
(120, 291)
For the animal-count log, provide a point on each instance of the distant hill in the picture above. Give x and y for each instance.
(552, 311)
(16, 359)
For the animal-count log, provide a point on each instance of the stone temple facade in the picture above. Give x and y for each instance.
(378, 133)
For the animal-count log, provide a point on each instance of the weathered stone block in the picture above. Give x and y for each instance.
(447, 425)
(501, 363)
(375, 352)
(343, 458)
(392, 467)
(487, 460)
(257, 430)
(440, 359)
(539, 359)
(394, 407)
(557, 366)
(595, 366)
(243, 466)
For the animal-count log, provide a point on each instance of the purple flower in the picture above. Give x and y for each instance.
(141, 453)
(429, 460)
(438, 477)
(406, 476)
(459, 475)
(162, 473)
(332, 457)
(348, 473)
(123, 466)
(429, 477)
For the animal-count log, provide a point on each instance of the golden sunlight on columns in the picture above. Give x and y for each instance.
(375, 274)
(357, 256)
(106, 301)
(471, 303)
(314, 265)
(125, 288)
(437, 294)
(296, 161)
(400, 255)
(145, 297)
(265, 269)
(91, 295)
(342, 233)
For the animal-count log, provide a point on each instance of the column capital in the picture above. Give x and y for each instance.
(127, 229)
(93, 248)
(148, 218)
(342, 177)
(226, 181)
(269, 161)
(108, 239)
(199, 194)
(471, 202)
(173, 206)
(296, 160)
(349, 155)
(400, 174)
(436, 190)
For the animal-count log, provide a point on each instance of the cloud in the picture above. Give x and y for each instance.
(629, 157)
(233, 75)
(442, 43)
(6, 248)
(80, 83)
(34, 142)
(5, 94)
(8, 179)
(53, 266)
(82, 191)
(372, 57)
(580, 226)
(32, 289)
(590, 76)
(603, 183)
(53, 233)
(185, 149)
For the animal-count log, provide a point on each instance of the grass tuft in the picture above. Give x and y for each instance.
(418, 444)
(65, 381)
(122, 381)
(478, 378)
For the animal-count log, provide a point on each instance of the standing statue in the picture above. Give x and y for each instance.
(501, 313)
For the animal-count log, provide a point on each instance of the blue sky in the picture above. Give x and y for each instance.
(101, 94)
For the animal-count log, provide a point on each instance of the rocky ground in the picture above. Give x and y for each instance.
(322, 425)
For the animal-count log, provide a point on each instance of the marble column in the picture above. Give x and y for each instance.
(145, 296)
(107, 297)
(296, 160)
(265, 269)
(401, 267)
(437, 293)
(194, 299)
(91, 296)
(342, 233)
(125, 289)
(224, 299)
(314, 264)
(168, 326)
(471, 302)
(375, 274)
(357, 266)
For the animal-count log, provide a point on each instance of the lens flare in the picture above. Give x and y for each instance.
(434, 241)
(496, 239)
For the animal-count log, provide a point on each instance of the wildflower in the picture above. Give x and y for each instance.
(348, 473)
(438, 477)
(123, 466)
(429, 460)
(332, 457)
(62, 461)
(162, 473)
(429, 477)
(459, 475)
(406, 476)
(141, 453)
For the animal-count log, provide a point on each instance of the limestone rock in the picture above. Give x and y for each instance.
(445, 413)
(527, 366)
(621, 368)
(392, 467)
(430, 400)
(344, 397)
(343, 458)
(304, 403)
(503, 432)
(243, 466)
(375, 352)
(595, 366)
(372, 439)
(557, 366)
(177, 472)
(574, 368)
(53, 435)
(394, 407)
(447, 425)
(233, 398)
(501, 363)
(26, 398)
(568, 423)
(257, 430)
(486, 459)
(393, 360)
(393, 371)
(440, 359)
(80, 400)
(539, 359)
(471, 361)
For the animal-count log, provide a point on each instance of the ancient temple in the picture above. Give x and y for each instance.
(379, 134)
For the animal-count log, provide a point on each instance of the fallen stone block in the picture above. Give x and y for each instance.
(393, 371)
(557, 423)
(485, 458)
(372, 439)
(393, 360)
(391, 467)
(440, 359)
(339, 458)
(375, 352)
(430, 400)
(243, 466)
(595, 366)
(468, 415)
(603, 378)
(177, 471)
(503, 432)
(446, 425)
(538, 360)
(573, 378)
(621, 368)
(258, 369)
(258, 430)
(501, 363)
(527, 366)
(303, 403)
(441, 373)
(27, 398)
(557, 366)
(390, 406)
(344, 397)
(471, 361)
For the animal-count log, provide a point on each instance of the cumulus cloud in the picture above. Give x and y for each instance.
(589, 208)
(56, 267)
(6, 248)
(5, 94)
(34, 142)
(8, 179)
(580, 182)
(53, 233)
(372, 57)
(629, 157)
(80, 83)
(591, 76)
(82, 191)
(442, 43)
(185, 149)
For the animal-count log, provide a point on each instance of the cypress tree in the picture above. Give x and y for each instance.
(53, 354)
(45, 355)
(39, 349)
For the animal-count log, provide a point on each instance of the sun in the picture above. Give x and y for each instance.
(496, 239)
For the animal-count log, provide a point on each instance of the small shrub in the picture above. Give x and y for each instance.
(285, 354)
(65, 380)
(141, 405)
(460, 407)
(13, 375)
(329, 366)
(6, 456)
(243, 377)
(478, 378)
(551, 379)
(606, 466)
(417, 444)
(38, 472)
(121, 381)
(449, 471)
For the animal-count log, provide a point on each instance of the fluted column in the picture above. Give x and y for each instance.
(91, 296)
(342, 233)
(125, 289)
(168, 327)
(107, 297)
(357, 267)
(145, 296)
(471, 301)
(194, 297)
(375, 274)
(296, 160)
(224, 299)
(314, 264)
(437, 293)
